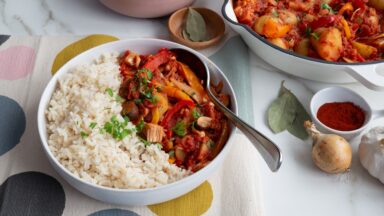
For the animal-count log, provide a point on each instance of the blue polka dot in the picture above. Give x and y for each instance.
(32, 193)
(3, 38)
(12, 124)
(114, 212)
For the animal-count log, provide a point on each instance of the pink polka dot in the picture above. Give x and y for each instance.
(16, 62)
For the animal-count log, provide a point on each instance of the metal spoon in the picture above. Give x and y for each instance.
(268, 150)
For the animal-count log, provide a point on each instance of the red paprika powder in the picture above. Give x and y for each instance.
(343, 116)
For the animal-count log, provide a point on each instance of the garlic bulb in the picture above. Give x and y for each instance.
(371, 152)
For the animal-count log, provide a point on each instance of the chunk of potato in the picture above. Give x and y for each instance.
(327, 42)
(302, 47)
(287, 17)
(280, 42)
(271, 27)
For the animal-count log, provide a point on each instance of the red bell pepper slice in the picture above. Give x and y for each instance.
(323, 22)
(160, 58)
(178, 106)
(358, 3)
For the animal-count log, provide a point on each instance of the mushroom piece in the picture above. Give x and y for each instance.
(204, 122)
(153, 132)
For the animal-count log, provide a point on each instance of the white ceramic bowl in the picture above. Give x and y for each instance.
(340, 94)
(146, 8)
(126, 196)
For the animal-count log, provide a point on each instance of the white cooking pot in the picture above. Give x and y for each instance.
(370, 74)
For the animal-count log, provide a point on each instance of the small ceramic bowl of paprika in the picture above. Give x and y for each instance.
(341, 111)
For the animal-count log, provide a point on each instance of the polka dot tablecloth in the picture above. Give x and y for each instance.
(30, 186)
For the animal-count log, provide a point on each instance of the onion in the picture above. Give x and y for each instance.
(330, 152)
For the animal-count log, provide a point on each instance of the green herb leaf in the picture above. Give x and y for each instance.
(171, 153)
(147, 71)
(109, 92)
(153, 99)
(327, 7)
(138, 101)
(92, 125)
(159, 146)
(185, 34)
(210, 144)
(140, 126)
(315, 35)
(195, 113)
(308, 31)
(83, 134)
(117, 128)
(180, 129)
(118, 99)
(275, 14)
(146, 143)
(195, 26)
(287, 113)
(125, 133)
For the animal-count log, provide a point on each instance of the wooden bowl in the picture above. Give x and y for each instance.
(214, 22)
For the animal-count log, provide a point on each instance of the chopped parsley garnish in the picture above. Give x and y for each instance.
(109, 92)
(210, 144)
(117, 128)
(140, 126)
(308, 31)
(144, 86)
(138, 101)
(83, 134)
(92, 125)
(147, 71)
(195, 113)
(158, 145)
(146, 143)
(153, 99)
(327, 7)
(118, 99)
(315, 35)
(147, 92)
(274, 13)
(180, 129)
(171, 153)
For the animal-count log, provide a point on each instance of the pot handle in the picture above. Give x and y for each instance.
(371, 75)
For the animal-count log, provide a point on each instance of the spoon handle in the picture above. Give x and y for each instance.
(268, 150)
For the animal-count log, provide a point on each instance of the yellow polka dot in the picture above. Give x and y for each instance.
(193, 203)
(78, 47)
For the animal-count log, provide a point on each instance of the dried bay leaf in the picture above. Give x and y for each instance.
(280, 113)
(287, 113)
(195, 26)
(185, 34)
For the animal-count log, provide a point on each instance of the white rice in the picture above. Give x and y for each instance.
(80, 99)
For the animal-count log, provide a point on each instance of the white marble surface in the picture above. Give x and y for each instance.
(298, 188)
(80, 17)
